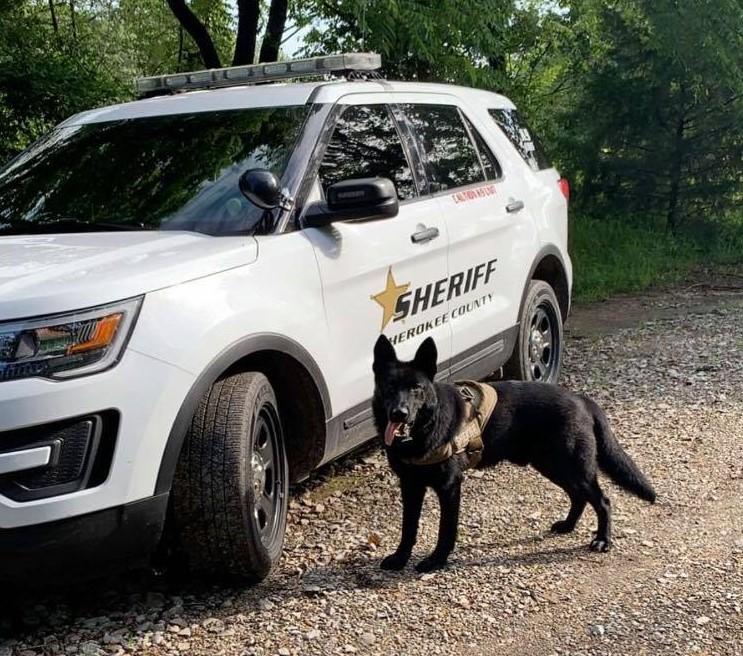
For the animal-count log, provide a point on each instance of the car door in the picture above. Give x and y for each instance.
(380, 276)
(488, 233)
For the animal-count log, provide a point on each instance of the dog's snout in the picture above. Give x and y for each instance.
(400, 414)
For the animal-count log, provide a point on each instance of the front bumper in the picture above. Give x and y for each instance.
(69, 550)
(145, 393)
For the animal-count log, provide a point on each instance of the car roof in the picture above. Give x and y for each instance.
(274, 95)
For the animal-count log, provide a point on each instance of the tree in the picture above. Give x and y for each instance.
(446, 40)
(277, 15)
(190, 22)
(651, 117)
(248, 31)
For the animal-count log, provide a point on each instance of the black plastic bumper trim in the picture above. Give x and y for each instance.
(83, 547)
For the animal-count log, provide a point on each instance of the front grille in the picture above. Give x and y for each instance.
(81, 449)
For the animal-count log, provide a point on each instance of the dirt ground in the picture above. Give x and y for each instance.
(668, 368)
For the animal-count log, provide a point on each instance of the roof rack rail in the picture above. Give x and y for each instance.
(351, 64)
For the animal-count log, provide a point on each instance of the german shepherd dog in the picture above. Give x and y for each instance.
(564, 436)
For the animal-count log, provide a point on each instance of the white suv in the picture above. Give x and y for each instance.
(191, 286)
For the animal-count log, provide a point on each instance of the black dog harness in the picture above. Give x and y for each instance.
(479, 402)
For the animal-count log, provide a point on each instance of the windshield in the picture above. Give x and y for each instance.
(177, 172)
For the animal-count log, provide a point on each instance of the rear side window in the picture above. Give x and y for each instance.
(490, 164)
(452, 158)
(365, 144)
(524, 140)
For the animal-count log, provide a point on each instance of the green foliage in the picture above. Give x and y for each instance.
(155, 41)
(616, 255)
(49, 71)
(650, 114)
(443, 40)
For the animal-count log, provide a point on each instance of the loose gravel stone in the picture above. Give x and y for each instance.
(668, 370)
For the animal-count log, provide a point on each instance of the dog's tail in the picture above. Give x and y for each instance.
(614, 460)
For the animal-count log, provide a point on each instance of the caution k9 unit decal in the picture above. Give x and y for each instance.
(400, 302)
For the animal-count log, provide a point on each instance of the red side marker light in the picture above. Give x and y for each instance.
(564, 187)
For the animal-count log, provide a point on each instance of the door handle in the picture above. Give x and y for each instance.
(424, 235)
(515, 206)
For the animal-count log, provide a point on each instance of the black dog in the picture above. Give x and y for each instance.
(564, 436)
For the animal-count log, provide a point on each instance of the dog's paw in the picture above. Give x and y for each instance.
(430, 564)
(599, 544)
(562, 527)
(395, 561)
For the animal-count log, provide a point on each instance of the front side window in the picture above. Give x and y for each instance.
(451, 155)
(524, 140)
(365, 144)
(176, 172)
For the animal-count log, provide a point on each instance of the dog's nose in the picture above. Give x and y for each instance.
(399, 415)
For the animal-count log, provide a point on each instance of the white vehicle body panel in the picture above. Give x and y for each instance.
(47, 274)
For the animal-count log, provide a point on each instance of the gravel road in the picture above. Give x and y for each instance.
(668, 369)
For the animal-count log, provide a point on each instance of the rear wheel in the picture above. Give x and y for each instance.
(537, 355)
(229, 498)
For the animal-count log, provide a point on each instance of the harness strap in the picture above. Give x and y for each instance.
(480, 400)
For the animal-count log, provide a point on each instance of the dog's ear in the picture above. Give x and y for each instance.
(425, 358)
(384, 353)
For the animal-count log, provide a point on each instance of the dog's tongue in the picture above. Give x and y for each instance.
(389, 433)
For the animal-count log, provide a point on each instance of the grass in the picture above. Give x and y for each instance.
(612, 256)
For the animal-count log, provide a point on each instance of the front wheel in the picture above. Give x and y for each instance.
(537, 355)
(230, 494)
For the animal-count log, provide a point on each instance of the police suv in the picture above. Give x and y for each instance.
(191, 285)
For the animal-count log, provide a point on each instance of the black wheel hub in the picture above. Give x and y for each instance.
(267, 474)
(542, 355)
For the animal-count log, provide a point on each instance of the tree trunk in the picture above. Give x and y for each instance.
(672, 219)
(248, 15)
(274, 31)
(197, 31)
(52, 11)
(73, 21)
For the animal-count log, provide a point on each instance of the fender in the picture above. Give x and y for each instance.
(222, 362)
(549, 249)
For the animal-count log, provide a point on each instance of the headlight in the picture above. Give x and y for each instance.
(66, 345)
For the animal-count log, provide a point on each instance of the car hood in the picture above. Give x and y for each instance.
(42, 274)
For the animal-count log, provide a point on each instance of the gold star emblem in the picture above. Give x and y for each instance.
(388, 298)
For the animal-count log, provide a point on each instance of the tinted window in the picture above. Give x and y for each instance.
(489, 162)
(177, 172)
(365, 144)
(452, 158)
(525, 141)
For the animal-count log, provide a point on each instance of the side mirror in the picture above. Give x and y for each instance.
(362, 199)
(262, 188)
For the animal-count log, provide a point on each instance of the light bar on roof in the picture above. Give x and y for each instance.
(224, 77)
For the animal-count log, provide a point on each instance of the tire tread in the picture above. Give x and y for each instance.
(212, 490)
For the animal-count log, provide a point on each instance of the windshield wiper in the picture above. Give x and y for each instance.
(64, 226)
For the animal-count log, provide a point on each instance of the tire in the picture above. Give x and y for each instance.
(230, 493)
(537, 355)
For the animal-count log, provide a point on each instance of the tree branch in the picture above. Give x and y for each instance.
(197, 31)
(248, 15)
(274, 31)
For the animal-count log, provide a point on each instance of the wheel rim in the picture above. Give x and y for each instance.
(543, 343)
(268, 476)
